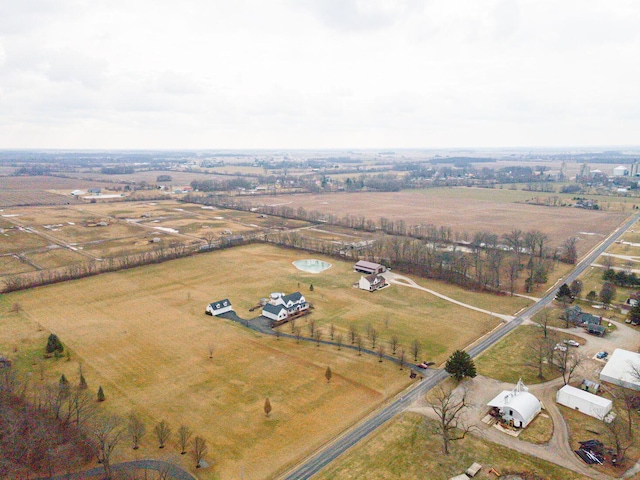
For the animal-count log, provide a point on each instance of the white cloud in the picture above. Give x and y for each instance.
(318, 73)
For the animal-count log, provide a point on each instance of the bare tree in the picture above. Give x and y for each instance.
(210, 348)
(318, 336)
(567, 362)
(359, 344)
(136, 429)
(163, 432)
(332, 331)
(184, 438)
(199, 450)
(394, 344)
(210, 238)
(312, 327)
(380, 352)
(449, 407)
(415, 350)
(373, 334)
(402, 358)
(339, 341)
(107, 434)
(542, 320)
(353, 332)
(537, 354)
(298, 333)
(619, 432)
(292, 323)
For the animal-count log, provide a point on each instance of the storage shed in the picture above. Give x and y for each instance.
(619, 370)
(517, 406)
(584, 402)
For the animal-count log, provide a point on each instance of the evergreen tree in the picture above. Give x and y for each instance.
(564, 294)
(634, 314)
(328, 374)
(83, 383)
(64, 383)
(267, 407)
(54, 344)
(460, 365)
(101, 397)
(311, 287)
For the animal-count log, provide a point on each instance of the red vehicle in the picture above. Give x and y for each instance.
(423, 365)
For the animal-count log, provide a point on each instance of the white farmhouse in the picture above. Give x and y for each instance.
(584, 402)
(274, 312)
(371, 282)
(281, 306)
(218, 308)
(517, 407)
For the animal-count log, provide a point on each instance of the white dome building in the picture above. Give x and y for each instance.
(517, 406)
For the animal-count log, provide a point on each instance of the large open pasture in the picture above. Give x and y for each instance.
(142, 335)
(465, 210)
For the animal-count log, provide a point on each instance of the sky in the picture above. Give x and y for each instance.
(295, 74)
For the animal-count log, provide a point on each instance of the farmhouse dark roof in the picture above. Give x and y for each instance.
(274, 309)
(373, 278)
(294, 297)
(220, 304)
(597, 329)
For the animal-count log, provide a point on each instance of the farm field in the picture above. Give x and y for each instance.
(464, 210)
(142, 335)
(406, 448)
(39, 190)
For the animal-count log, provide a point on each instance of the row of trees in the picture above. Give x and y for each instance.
(60, 428)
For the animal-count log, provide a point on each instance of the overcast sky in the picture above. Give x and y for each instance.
(318, 73)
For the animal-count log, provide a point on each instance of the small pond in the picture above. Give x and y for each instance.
(311, 265)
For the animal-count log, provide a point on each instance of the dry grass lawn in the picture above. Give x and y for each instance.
(406, 448)
(509, 359)
(142, 335)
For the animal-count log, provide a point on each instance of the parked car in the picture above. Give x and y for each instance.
(423, 365)
(602, 355)
(560, 347)
(573, 343)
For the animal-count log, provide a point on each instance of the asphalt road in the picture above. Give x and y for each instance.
(348, 439)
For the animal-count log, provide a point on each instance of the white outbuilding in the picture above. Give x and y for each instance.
(517, 406)
(623, 369)
(620, 171)
(584, 402)
(219, 307)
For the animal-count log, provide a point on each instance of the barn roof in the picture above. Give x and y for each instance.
(220, 304)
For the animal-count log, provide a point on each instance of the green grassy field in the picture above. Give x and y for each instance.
(406, 448)
(508, 360)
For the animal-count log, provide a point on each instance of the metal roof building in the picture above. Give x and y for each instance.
(619, 370)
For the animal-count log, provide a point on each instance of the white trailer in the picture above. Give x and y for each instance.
(584, 402)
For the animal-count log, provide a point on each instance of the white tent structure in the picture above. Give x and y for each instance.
(584, 402)
(517, 405)
(620, 369)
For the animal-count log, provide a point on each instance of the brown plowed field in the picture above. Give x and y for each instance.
(464, 210)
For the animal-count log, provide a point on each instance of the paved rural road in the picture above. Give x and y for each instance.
(163, 468)
(348, 439)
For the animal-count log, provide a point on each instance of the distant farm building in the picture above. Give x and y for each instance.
(371, 283)
(622, 369)
(369, 268)
(516, 407)
(218, 308)
(282, 306)
(585, 402)
(580, 318)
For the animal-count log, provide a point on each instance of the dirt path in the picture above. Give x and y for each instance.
(407, 282)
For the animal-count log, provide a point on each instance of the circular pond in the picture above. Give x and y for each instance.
(311, 265)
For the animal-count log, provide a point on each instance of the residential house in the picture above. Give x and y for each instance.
(371, 283)
(576, 316)
(280, 306)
